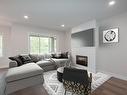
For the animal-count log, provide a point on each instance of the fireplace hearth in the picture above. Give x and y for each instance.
(82, 60)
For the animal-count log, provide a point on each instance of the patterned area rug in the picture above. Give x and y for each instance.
(54, 87)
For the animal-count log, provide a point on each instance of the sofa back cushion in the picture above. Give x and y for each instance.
(60, 55)
(35, 57)
(47, 56)
(41, 57)
(25, 58)
(56, 55)
(17, 59)
(64, 55)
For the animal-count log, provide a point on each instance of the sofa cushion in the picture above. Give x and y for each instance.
(22, 72)
(56, 55)
(47, 56)
(61, 62)
(64, 55)
(25, 58)
(35, 57)
(44, 63)
(41, 57)
(17, 59)
(60, 55)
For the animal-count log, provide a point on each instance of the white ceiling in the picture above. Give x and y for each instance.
(52, 13)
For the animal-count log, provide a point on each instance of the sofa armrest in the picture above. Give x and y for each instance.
(13, 64)
(2, 84)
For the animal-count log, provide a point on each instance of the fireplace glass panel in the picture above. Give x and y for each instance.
(82, 60)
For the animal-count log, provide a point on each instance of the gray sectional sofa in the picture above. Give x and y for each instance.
(29, 72)
(2, 83)
(22, 77)
(46, 62)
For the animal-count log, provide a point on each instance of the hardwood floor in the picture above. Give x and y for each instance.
(113, 86)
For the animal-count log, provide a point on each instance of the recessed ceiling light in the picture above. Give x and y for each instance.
(112, 3)
(62, 25)
(26, 17)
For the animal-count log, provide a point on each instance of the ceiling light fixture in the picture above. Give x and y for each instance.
(63, 25)
(26, 17)
(111, 3)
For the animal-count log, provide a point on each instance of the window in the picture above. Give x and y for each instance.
(41, 45)
(1, 45)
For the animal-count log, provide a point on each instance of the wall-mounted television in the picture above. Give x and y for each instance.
(83, 38)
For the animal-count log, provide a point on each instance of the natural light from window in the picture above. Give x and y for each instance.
(42, 45)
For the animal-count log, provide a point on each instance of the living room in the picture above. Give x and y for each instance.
(50, 28)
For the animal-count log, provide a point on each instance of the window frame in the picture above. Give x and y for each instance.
(32, 35)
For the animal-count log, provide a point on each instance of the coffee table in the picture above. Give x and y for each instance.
(60, 73)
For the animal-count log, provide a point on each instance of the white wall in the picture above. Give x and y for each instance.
(68, 40)
(16, 40)
(85, 51)
(112, 58)
(6, 32)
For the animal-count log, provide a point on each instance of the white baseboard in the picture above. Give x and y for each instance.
(114, 75)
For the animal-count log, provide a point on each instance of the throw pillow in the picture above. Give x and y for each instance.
(56, 55)
(53, 55)
(47, 56)
(40, 57)
(17, 59)
(34, 57)
(25, 58)
(64, 55)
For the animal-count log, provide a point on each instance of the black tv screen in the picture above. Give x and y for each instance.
(83, 38)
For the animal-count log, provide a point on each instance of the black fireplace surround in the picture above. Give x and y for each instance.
(82, 60)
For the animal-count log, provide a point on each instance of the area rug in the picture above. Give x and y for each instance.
(54, 87)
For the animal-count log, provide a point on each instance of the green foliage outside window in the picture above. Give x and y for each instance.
(41, 45)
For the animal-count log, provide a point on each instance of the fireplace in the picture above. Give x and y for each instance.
(82, 60)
